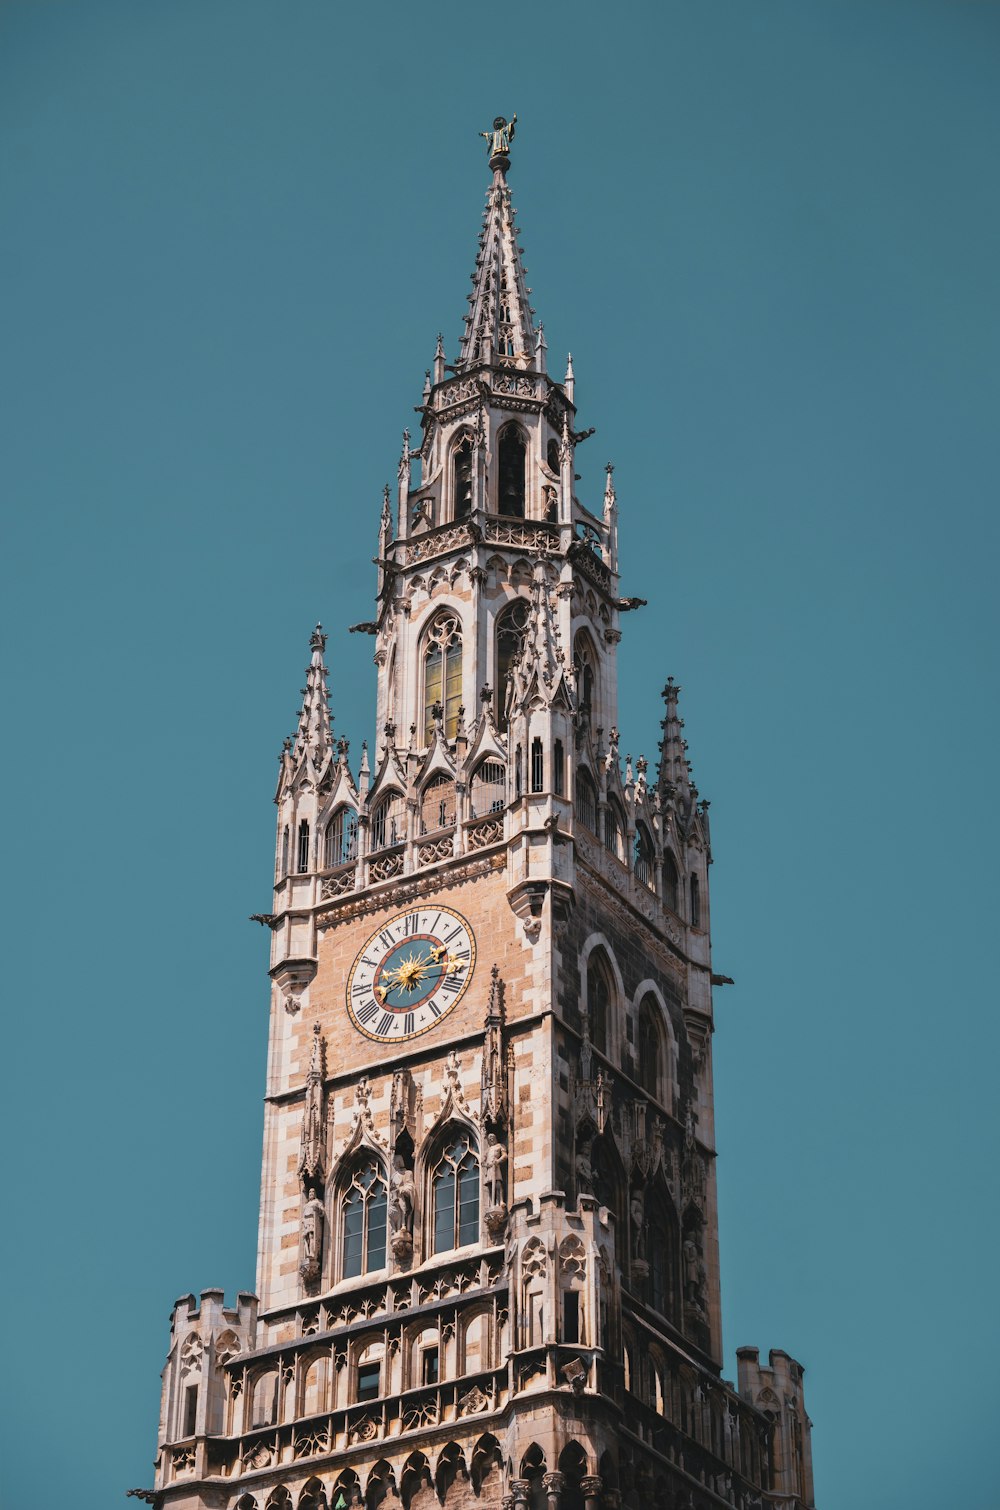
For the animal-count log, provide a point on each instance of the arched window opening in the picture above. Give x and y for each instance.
(341, 842)
(511, 625)
(614, 829)
(455, 1183)
(586, 678)
(368, 1384)
(285, 841)
(462, 478)
(443, 675)
(303, 856)
(533, 1468)
(695, 903)
(537, 766)
(599, 997)
(671, 896)
(363, 1217)
(558, 768)
(264, 1411)
(573, 1467)
(644, 859)
(662, 1248)
(451, 1464)
(437, 804)
(650, 1048)
(586, 799)
(389, 821)
(312, 1496)
(314, 1392)
(552, 455)
(510, 472)
(489, 788)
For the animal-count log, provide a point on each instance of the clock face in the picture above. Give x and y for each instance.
(411, 973)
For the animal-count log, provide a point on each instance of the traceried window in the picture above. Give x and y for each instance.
(443, 674)
(389, 821)
(583, 666)
(456, 1195)
(599, 997)
(537, 766)
(644, 860)
(586, 799)
(303, 851)
(511, 459)
(462, 478)
(614, 829)
(671, 896)
(437, 804)
(489, 788)
(511, 625)
(341, 840)
(363, 1217)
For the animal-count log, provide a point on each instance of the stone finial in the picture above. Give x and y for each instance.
(314, 735)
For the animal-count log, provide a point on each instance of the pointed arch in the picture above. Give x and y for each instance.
(614, 828)
(278, 1499)
(312, 1496)
(512, 458)
(451, 1465)
(670, 875)
(656, 1045)
(461, 476)
(585, 805)
(441, 659)
(574, 1467)
(264, 1399)
(437, 804)
(489, 787)
(381, 1479)
(511, 624)
(597, 951)
(360, 1218)
(340, 837)
(534, 1468)
(416, 1475)
(487, 1459)
(388, 821)
(600, 1000)
(644, 856)
(585, 664)
(342, 1494)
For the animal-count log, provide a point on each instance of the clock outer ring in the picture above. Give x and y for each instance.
(419, 1033)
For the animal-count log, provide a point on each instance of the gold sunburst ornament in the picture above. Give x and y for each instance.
(411, 973)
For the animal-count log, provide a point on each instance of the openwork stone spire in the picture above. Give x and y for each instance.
(314, 735)
(498, 327)
(674, 772)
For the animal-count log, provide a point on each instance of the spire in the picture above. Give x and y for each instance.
(674, 772)
(498, 326)
(314, 735)
(540, 660)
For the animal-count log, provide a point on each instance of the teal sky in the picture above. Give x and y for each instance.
(769, 231)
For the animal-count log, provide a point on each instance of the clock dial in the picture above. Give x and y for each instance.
(411, 973)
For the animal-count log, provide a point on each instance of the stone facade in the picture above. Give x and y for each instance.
(488, 1261)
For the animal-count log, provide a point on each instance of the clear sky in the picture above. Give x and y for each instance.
(768, 232)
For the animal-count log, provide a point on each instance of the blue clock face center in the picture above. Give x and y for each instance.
(410, 973)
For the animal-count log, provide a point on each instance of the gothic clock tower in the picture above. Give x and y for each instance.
(488, 1265)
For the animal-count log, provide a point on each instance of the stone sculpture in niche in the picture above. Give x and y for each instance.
(401, 1194)
(311, 1245)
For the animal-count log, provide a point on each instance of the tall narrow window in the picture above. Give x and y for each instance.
(537, 766)
(389, 822)
(303, 864)
(643, 855)
(369, 1380)
(599, 990)
(190, 1410)
(695, 903)
(558, 768)
(510, 472)
(583, 665)
(462, 478)
(443, 675)
(552, 455)
(429, 1366)
(670, 879)
(511, 625)
(363, 1216)
(489, 788)
(571, 1316)
(650, 1047)
(518, 783)
(456, 1196)
(586, 799)
(614, 829)
(284, 851)
(341, 842)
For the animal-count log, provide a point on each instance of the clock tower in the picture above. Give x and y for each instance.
(488, 1266)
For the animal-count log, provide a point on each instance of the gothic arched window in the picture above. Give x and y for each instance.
(695, 903)
(662, 1248)
(644, 859)
(600, 994)
(537, 766)
(455, 1185)
(489, 788)
(443, 674)
(670, 882)
(552, 455)
(303, 848)
(614, 828)
(388, 821)
(363, 1221)
(586, 676)
(650, 1047)
(462, 478)
(558, 768)
(511, 625)
(285, 841)
(341, 841)
(264, 1411)
(511, 457)
(586, 799)
(437, 804)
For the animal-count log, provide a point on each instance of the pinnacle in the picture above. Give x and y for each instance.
(314, 735)
(499, 326)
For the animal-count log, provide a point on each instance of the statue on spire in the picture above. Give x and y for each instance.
(499, 139)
